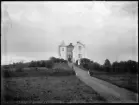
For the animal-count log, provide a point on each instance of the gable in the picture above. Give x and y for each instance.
(80, 44)
(76, 47)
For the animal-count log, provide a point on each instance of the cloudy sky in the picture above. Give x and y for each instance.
(108, 29)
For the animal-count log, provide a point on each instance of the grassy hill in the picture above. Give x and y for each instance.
(61, 66)
(35, 85)
(49, 89)
(126, 80)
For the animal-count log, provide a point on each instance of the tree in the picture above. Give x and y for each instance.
(94, 66)
(53, 59)
(19, 66)
(85, 61)
(33, 64)
(107, 65)
(114, 66)
(125, 66)
(132, 66)
(49, 64)
(43, 64)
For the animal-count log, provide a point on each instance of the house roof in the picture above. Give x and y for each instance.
(80, 43)
(70, 45)
(62, 44)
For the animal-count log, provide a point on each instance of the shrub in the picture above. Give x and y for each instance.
(49, 64)
(86, 66)
(57, 60)
(33, 64)
(6, 67)
(7, 73)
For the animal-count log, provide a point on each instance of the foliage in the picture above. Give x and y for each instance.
(85, 62)
(95, 66)
(58, 60)
(49, 64)
(125, 66)
(6, 73)
(117, 67)
(19, 66)
(5, 67)
(107, 65)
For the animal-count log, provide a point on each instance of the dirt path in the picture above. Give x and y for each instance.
(110, 92)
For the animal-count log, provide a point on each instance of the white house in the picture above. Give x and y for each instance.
(63, 51)
(78, 52)
(72, 53)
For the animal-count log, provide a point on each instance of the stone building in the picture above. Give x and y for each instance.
(72, 53)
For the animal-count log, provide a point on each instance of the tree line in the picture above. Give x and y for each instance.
(42, 63)
(117, 67)
(46, 63)
(129, 66)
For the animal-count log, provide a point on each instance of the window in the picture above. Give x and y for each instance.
(80, 47)
(62, 49)
(80, 55)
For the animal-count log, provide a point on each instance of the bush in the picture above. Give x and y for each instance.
(7, 73)
(33, 64)
(49, 64)
(20, 69)
(57, 60)
(5, 67)
(86, 66)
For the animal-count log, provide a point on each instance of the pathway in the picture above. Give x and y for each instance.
(110, 92)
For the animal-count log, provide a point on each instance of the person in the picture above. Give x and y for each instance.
(89, 72)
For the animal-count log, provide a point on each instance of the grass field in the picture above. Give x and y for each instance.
(39, 71)
(128, 81)
(49, 89)
(31, 85)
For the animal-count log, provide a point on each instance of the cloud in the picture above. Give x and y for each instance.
(26, 56)
(108, 29)
(23, 38)
(6, 59)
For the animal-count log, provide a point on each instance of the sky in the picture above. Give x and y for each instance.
(109, 30)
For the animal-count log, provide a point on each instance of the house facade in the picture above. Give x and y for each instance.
(72, 53)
